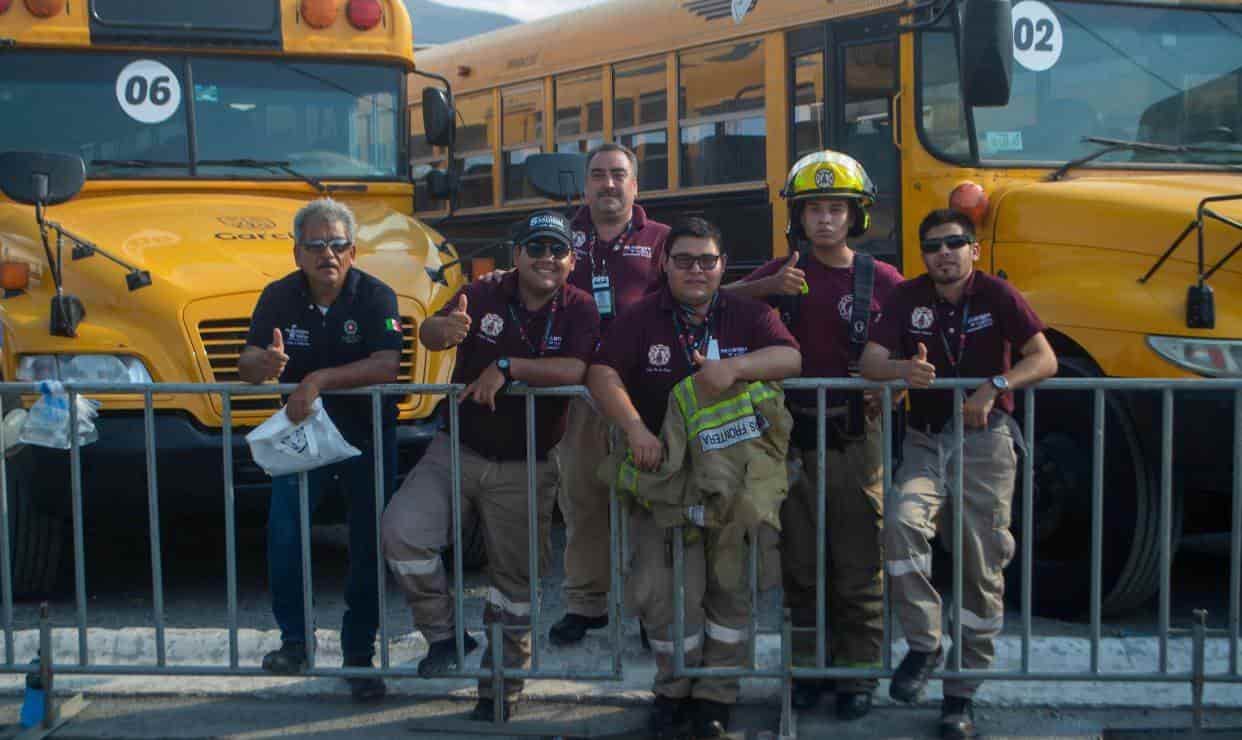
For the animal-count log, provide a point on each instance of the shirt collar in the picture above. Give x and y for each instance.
(668, 303)
(509, 289)
(972, 287)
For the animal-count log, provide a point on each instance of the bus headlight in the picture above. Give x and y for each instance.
(82, 369)
(1214, 358)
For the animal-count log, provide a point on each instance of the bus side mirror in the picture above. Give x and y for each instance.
(559, 175)
(41, 178)
(438, 120)
(441, 185)
(985, 47)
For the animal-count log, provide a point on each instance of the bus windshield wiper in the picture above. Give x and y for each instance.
(139, 164)
(1108, 146)
(283, 166)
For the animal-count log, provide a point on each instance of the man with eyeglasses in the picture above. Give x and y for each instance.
(954, 322)
(687, 327)
(529, 327)
(328, 326)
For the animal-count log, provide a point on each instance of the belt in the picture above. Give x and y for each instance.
(831, 412)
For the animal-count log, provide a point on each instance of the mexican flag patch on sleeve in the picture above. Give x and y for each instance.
(392, 325)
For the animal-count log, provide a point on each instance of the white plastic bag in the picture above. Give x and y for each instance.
(47, 423)
(281, 447)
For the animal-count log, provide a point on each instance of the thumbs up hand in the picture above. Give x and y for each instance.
(714, 376)
(459, 322)
(274, 359)
(919, 373)
(789, 280)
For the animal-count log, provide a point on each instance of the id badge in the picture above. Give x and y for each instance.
(601, 287)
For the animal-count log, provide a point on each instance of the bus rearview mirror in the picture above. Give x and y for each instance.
(559, 175)
(985, 47)
(438, 122)
(42, 178)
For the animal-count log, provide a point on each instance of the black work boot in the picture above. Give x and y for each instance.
(806, 692)
(485, 711)
(290, 658)
(441, 657)
(711, 718)
(573, 628)
(364, 688)
(853, 705)
(957, 718)
(911, 676)
(669, 718)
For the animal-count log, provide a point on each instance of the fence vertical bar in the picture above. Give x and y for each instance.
(754, 601)
(6, 565)
(1097, 522)
(532, 528)
(79, 540)
(459, 600)
(1235, 544)
(887, 497)
(959, 499)
(308, 596)
(230, 528)
(679, 601)
(381, 488)
(615, 542)
(1166, 523)
(821, 527)
(153, 515)
(1028, 521)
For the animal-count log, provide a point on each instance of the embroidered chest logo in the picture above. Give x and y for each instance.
(659, 355)
(351, 332)
(579, 240)
(922, 318)
(492, 325)
(554, 343)
(978, 323)
(635, 250)
(296, 337)
(845, 306)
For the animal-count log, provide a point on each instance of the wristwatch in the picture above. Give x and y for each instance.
(503, 366)
(1000, 383)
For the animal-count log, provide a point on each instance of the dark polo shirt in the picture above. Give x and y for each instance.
(822, 327)
(631, 261)
(496, 315)
(645, 350)
(993, 317)
(362, 321)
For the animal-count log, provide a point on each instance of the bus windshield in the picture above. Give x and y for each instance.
(1167, 75)
(131, 116)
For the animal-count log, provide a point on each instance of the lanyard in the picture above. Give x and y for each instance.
(955, 359)
(622, 240)
(689, 335)
(547, 332)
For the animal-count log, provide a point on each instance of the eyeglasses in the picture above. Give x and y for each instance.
(537, 250)
(688, 261)
(339, 246)
(952, 241)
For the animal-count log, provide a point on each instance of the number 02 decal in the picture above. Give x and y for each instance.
(148, 91)
(1037, 37)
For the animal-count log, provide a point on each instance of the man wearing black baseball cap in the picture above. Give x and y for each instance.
(529, 327)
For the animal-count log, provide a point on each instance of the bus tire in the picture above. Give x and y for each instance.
(1061, 564)
(36, 537)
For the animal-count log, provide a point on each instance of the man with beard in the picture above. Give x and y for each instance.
(960, 323)
(528, 327)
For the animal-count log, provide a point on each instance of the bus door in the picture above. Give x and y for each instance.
(844, 76)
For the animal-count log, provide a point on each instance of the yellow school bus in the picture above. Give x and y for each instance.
(203, 128)
(719, 97)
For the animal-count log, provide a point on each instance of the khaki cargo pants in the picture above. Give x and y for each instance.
(584, 503)
(924, 509)
(854, 508)
(417, 527)
(717, 614)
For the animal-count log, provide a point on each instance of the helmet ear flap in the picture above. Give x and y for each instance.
(862, 220)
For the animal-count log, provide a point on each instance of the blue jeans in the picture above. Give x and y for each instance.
(355, 479)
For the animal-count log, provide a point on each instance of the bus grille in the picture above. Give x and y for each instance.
(224, 339)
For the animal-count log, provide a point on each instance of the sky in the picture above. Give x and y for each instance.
(526, 10)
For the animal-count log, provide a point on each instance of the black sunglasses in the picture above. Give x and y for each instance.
(688, 261)
(339, 246)
(537, 250)
(952, 241)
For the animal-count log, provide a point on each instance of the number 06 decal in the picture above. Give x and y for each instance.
(148, 91)
(1037, 38)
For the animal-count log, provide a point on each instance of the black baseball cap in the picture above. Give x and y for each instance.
(544, 225)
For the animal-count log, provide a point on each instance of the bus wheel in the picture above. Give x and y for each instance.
(1061, 566)
(36, 537)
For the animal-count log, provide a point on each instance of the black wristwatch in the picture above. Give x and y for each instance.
(503, 366)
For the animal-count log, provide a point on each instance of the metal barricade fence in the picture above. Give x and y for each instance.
(1095, 388)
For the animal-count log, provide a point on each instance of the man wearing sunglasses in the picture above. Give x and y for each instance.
(688, 327)
(529, 327)
(954, 322)
(328, 326)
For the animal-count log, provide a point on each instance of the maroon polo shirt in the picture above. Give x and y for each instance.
(993, 317)
(822, 326)
(494, 333)
(645, 349)
(631, 261)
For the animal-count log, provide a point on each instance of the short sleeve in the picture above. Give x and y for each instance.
(266, 317)
(581, 330)
(383, 321)
(887, 331)
(766, 270)
(1021, 323)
